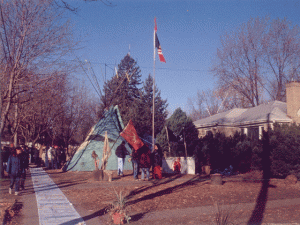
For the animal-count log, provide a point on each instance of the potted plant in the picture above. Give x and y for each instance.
(117, 209)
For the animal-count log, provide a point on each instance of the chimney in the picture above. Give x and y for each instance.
(293, 101)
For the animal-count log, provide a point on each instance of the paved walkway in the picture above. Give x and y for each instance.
(53, 206)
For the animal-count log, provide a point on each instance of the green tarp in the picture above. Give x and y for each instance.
(112, 123)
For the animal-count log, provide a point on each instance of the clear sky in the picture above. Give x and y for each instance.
(188, 30)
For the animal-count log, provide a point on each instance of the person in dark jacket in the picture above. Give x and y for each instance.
(145, 161)
(121, 153)
(24, 166)
(135, 163)
(14, 169)
(157, 162)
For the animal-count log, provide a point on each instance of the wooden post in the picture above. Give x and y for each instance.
(168, 139)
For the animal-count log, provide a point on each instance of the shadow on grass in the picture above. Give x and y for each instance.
(166, 191)
(261, 201)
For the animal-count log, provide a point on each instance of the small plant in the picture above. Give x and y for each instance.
(118, 210)
(224, 215)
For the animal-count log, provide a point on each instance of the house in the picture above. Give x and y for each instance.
(252, 121)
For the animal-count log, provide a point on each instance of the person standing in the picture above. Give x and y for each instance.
(55, 156)
(157, 162)
(14, 169)
(24, 166)
(47, 149)
(121, 153)
(50, 157)
(135, 163)
(145, 161)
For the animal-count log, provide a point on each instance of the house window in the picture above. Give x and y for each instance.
(209, 132)
(253, 132)
(245, 131)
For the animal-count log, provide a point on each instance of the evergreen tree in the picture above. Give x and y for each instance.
(122, 89)
(144, 109)
(184, 128)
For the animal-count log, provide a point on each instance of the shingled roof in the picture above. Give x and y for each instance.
(240, 117)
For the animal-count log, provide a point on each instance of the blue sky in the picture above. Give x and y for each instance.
(188, 30)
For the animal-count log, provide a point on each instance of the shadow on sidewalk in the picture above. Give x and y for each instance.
(30, 190)
(101, 212)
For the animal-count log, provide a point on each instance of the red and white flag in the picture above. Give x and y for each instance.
(157, 44)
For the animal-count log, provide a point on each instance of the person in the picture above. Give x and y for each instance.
(54, 157)
(135, 163)
(14, 170)
(145, 161)
(36, 157)
(121, 153)
(50, 157)
(177, 166)
(62, 157)
(157, 162)
(24, 166)
(47, 150)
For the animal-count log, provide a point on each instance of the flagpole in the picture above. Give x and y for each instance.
(153, 106)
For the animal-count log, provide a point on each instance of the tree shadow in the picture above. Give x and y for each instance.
(165, 191)
(261, 201)
(155, 183)
(101, 212)
(138, 216)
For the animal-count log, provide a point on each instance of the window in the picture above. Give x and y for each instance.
(253, 132)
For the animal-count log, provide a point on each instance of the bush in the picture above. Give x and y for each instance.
(281, 155)
(285, 150)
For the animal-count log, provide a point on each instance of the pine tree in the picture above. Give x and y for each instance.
(122, 89)
(184, 128)
(144, 110)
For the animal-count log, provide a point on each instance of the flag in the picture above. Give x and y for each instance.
(157, 44)
(170, 134)
(106, 152)
(130, 135)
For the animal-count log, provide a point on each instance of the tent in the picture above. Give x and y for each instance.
(112, 123)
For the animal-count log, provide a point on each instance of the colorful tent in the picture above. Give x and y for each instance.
(112, 123)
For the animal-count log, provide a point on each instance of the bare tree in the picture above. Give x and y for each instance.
(207, 103)
(45, 105)
(33, 37)
(282, 51)
(256, 61)
(239, 61)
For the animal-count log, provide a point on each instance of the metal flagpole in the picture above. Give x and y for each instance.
(153, 106)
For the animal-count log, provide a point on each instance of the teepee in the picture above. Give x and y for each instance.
(111, 123)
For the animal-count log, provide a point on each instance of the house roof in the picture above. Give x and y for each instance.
(239, 117)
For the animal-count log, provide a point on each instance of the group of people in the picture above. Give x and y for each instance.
(55, 157)
(142, 159)
(17, 164)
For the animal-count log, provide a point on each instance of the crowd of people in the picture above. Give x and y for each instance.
(55, 157)
(142, 159)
